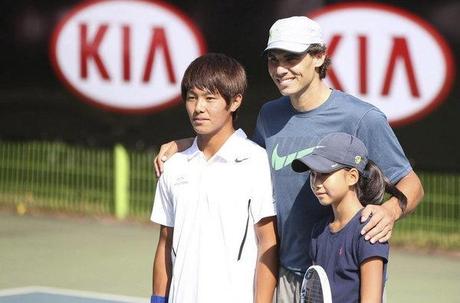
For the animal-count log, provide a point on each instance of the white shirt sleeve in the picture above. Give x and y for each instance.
(262, 201)
(163, 209)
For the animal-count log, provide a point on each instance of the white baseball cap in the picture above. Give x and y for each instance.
(294, 34)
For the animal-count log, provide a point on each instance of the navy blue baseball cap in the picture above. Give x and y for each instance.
(333, 152)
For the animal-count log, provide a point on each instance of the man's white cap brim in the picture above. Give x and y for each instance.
(292, 47)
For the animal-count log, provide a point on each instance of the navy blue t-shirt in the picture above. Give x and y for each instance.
(341, 254)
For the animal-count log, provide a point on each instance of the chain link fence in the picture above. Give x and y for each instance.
(60, 177)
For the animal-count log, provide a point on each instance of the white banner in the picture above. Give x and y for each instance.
(125, 55)
(388, 57)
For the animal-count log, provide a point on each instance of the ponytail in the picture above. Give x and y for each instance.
(372, 186)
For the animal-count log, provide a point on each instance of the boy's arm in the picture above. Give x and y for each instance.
(371, 275)
(379, 228)
(167, 150)
(162, 265)
(267, 260)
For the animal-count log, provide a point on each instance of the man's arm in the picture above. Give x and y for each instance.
(412, 188)
(162, 264)
(380, 226)
(167, 150)
(267, 260)
(385, 150)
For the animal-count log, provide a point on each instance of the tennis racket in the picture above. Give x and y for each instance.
(315, 286)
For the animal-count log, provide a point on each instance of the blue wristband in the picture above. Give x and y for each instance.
(158, 299)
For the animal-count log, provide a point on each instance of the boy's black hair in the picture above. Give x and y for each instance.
(216, 73)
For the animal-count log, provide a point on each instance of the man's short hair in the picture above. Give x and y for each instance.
(319, 49)
(217, 73)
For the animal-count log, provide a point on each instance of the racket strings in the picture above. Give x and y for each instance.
(313, 289)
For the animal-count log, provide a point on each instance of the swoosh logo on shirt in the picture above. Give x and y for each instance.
(279, 162)
(238, 160)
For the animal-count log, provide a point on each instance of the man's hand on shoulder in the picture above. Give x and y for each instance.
(380, 224)
(167, 150)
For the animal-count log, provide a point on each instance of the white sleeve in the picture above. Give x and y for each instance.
(163, 209)
(262, 201)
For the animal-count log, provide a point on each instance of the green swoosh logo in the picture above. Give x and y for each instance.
(279, 162)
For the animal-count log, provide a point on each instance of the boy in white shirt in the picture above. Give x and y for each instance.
(214, 201)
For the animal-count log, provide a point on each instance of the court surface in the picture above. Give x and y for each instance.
(93, 258)
(55, 295)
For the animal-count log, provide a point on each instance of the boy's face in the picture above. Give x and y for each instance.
(208, 112)
(292, 72)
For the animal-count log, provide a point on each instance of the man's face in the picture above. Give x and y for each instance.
(292, 72)
(208, 112)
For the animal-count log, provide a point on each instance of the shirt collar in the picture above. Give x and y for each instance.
(229, 151)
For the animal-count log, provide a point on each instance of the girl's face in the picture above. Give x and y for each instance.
(331, 188)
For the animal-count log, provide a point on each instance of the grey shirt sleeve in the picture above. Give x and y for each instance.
(383, 146)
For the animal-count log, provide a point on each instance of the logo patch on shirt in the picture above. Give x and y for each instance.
(180, 181)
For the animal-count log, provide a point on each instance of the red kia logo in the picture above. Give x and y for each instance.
(388, 57)
(125, 55)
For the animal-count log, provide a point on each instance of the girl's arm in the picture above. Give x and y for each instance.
(371, 277)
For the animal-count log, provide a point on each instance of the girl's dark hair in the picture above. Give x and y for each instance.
(372, 186)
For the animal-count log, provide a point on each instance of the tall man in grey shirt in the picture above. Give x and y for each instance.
(289, 127)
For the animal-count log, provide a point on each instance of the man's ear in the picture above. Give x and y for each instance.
(319, 59)
(352, 177)
(236, 102)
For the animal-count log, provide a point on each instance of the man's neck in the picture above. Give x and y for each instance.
(210, 144)
(312, 97)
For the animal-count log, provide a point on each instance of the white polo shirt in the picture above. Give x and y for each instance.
(212, 205)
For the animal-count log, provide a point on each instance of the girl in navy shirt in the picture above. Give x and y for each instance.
(343, 177)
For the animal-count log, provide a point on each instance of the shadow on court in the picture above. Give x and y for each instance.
(109, 257)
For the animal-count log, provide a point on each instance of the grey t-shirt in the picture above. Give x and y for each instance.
(287, 134)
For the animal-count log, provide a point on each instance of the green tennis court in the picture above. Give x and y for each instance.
(56, 295)
(105, 256)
